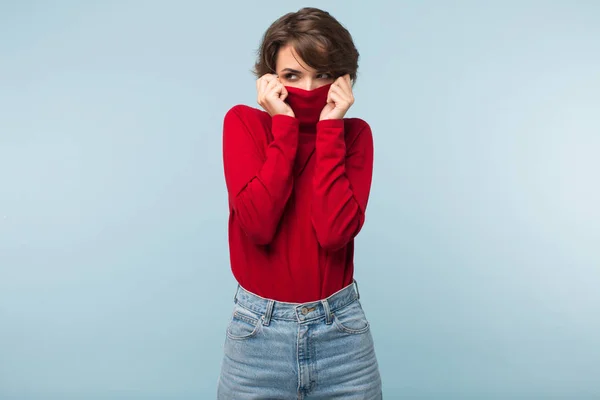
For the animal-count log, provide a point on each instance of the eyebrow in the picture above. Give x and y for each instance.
(295, 71)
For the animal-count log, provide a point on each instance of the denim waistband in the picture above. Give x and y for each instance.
(301, 312)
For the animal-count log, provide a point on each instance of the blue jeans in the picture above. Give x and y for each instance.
(317, 350)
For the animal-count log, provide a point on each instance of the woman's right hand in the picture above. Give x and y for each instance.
(271, 95)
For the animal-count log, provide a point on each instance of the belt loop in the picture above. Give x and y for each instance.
(325, 303)
(356, 286)
(236, 293)
(267, 317)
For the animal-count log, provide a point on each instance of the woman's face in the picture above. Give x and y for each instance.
(292, 71)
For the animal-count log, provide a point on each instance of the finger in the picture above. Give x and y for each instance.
(331, 88)
(270, 79)
(344, 83)
(261, 85)
(348, 90)
(339, 91)
(340, 85)
(266, 79)
(345, 93)
(259, 91)
(284, 93)
(340, 99)
(335, 99)
(275, 92)
(272, 87)
(266, 90)
(348, 82)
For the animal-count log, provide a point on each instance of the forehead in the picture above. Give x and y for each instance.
(288, 58)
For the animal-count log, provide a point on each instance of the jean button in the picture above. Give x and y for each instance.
(304, 310)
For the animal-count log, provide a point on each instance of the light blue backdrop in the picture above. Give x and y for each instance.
(479, 264)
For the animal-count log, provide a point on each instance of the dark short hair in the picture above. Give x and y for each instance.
(318, 38)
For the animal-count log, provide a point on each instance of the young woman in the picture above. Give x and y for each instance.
(298, 176)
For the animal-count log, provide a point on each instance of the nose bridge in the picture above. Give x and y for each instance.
(309, 83)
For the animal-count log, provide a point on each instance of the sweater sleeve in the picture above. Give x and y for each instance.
(342, 183)
(259, 183)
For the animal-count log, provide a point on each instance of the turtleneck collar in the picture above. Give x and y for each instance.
(307, 104)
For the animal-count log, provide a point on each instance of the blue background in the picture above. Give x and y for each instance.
(479, 264)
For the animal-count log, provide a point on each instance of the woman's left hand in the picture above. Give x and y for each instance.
(339, 99)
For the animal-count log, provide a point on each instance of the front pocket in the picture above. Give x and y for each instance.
(351, 319)
(243, 325)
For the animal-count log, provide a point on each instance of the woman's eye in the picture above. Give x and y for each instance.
(293, 77)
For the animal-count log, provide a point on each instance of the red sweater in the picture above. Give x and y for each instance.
(298, 190)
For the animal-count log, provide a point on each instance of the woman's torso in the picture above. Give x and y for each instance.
(293, 267)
